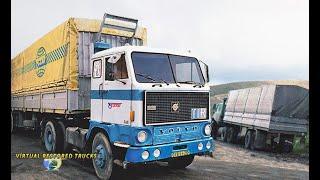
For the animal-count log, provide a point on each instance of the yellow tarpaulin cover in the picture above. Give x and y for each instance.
(52, 60)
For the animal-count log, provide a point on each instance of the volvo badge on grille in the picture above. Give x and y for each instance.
(175, 106)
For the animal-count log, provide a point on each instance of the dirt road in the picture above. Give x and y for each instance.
(228, 162)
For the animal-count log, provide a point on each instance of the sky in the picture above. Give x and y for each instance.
(239, 40)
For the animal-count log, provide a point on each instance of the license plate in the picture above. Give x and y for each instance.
(180, 153)
(198, 113)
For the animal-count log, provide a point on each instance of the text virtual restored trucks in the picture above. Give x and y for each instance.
(84, 88)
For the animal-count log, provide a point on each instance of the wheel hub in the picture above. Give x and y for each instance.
(49, 140)
(101, 156)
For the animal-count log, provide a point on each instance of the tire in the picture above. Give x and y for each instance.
(253, 140)
(287, 148)
(103, 163)
(180, 162)
(223, 134)
(214, 130)
(11, 123)
(52, 138)
(65, 145)
(230, 135)
(248, 139)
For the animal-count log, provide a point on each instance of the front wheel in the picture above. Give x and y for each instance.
(181, 162)
(103, 163)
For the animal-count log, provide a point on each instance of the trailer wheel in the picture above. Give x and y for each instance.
(52, 138)
(103, 163)
(214, 131)
(248, 139)
(286, 143)
(223, 134)
(230, 135)
(287, 148)
(181, 162)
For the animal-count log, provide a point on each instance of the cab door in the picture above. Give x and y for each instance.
(117, 90)
(97, 79)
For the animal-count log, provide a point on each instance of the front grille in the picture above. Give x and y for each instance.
(158, 107)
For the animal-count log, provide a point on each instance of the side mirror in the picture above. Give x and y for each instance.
(214, 108)
(109, 71)
(205, 71)
(114, 58)
(111, 76)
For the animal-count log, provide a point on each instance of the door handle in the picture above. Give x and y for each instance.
(100, 89)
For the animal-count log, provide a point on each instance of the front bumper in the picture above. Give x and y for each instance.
(134, 154)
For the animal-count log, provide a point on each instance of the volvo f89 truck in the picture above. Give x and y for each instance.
(92, 86)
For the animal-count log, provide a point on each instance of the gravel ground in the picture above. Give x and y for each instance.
(228, 162)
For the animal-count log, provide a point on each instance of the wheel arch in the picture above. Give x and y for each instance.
(92, 132)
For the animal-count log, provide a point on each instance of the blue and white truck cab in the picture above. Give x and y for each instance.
(148, 105)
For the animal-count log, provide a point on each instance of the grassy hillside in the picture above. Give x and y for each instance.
(218, 92)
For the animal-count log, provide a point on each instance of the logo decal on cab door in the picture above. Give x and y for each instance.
(112, 105)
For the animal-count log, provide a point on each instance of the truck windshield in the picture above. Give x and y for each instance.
(153, 67)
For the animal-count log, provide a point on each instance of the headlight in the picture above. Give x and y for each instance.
(207, 129)
(142, 136)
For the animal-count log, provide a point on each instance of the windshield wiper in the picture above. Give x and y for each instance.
(146, 76)
(164, 81)
(152, 79)
(188, 82)
(192, 82)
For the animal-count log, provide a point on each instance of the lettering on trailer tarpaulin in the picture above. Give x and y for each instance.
(43, 59)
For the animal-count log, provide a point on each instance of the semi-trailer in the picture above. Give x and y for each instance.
(94, 86)
(268, 116)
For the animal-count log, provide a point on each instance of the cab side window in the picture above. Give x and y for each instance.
(97, 68)
(117, 70)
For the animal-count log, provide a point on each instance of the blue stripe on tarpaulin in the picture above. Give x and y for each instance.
(137, 95)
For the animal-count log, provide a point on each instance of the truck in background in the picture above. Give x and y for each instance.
(128, 104)
(266, 117)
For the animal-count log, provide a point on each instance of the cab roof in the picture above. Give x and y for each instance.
(129, 49)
